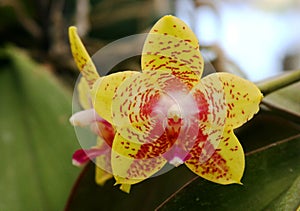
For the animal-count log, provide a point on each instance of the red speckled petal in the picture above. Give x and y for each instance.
(82, 58)
(104, 91)
(133, 162)
(242, 98)
(172, 47)
(210, 100)
(225, 166)
(210, 95)
(136, 109)
(144, 102)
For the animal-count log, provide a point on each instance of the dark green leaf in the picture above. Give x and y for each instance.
(290, 200)
(269, 173)
(264, 129)
(286, 101)
(144, 196)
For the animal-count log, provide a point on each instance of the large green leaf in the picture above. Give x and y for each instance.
(264, 129)
(289, 200)
(286, 101)
(87, 195)
(36, 139)
(270, 172)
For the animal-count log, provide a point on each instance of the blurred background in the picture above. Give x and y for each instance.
(255, 39)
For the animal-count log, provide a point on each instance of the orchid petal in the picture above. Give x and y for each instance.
(104, 130)
(225, 166)
(125, 188)
(82, 58)
(172, 47)
(133, 162)
(143, 104)
(82, 156)
(83, 118)
(211, 108)
(211, 101)
(242, 98)
(103, 163)
(104, 90)
(134, 109)
(101, 176)
(84, 94)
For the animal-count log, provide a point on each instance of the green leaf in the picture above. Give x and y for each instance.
(36, 139)
(285, 101)
(143, 196)
(270, 172)
(290, 200)
(264, 129)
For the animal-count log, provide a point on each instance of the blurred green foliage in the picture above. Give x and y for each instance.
(36, 138)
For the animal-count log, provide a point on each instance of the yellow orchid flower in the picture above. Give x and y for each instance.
(167, 113)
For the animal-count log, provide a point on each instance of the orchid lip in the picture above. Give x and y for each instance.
(82, 156)
(176, 161)
(83, 118)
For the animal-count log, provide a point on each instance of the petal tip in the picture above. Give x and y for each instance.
(72, 29)
(125, 188)
(73, 121)
(176, 161)
(102, 176)
(169, 17)
(83, 118)
(77, 163)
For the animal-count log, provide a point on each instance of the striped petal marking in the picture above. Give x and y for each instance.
(104, 90)
(234, 101)
(154, 118)
(242, 98)
(134, 162)
(172, 47)
(225, 166)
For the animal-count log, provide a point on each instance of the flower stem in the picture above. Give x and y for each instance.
(273, 84)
